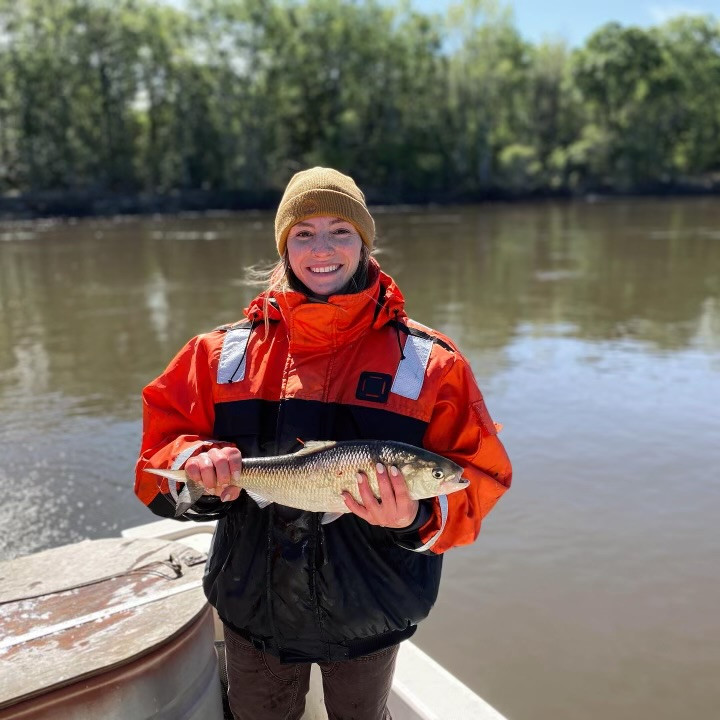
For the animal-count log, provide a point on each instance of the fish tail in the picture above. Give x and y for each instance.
(188, 496)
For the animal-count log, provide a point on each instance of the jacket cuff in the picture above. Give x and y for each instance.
(410, 538)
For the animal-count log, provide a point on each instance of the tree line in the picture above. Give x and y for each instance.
(135, 96)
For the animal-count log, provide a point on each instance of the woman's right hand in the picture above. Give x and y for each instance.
(219, 470)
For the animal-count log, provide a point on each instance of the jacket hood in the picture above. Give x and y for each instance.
(314, 325)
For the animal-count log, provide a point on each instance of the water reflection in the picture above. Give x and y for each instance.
(601, 269)
(97, 307)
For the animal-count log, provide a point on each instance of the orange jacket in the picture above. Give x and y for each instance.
(352, 368)
(319, 353)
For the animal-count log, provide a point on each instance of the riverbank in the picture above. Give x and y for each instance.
(95, 203)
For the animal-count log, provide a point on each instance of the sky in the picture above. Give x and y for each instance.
(575, 20)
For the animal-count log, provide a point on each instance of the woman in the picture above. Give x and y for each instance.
(326, 353)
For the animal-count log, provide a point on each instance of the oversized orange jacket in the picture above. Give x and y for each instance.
(353, 368)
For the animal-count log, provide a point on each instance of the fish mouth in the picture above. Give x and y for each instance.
(451, 485)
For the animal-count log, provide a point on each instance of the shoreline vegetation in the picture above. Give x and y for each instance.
(67, 204)
(141, 107)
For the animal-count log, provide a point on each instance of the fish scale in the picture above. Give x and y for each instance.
(317, 484)
(314, 477)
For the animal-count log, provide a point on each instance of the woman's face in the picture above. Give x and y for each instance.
(324, 253)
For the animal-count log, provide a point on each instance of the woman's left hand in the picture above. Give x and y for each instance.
(394, 509)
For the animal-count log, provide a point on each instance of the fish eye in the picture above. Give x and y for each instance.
(437, 473)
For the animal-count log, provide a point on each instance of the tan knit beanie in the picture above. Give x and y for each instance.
(322, 191)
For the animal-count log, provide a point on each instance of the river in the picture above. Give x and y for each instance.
(594, 331)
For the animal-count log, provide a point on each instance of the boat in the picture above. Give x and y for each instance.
(119, 629)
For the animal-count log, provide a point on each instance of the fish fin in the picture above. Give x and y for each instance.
(259, 499)
(188, 496)
(329, 517)
(312, 446)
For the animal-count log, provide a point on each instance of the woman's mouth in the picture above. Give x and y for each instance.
(325, 269)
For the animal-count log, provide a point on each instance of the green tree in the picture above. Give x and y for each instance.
(556, 117)
(487, 89)
(630, 93)
(691, 47)
(164, 37)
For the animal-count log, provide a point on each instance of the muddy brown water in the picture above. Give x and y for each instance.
(594, 332)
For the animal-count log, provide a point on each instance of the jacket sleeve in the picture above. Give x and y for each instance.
(462, 430)
(178, 418)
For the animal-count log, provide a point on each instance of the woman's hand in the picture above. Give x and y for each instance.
(216, 469)
(394, 509)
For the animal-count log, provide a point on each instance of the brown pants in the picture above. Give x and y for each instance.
(261, 688)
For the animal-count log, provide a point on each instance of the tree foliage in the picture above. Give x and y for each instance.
(141, 96)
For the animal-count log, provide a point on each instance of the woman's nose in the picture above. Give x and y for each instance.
(321, 244)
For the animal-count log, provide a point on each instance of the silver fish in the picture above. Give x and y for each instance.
(314, 477)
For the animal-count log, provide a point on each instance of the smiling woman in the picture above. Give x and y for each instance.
(338, 359)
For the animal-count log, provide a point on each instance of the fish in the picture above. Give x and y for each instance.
(314, 477)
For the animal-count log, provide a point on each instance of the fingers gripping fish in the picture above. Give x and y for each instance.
(314, 477)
